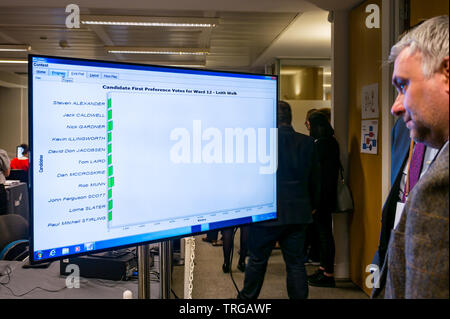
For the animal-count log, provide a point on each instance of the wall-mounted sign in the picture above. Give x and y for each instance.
(369, 101)
(369, 136)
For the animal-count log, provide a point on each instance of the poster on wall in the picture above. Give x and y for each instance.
(369, 136)
(369, 101)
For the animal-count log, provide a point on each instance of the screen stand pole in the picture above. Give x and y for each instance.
(165, 268)
(143, 271)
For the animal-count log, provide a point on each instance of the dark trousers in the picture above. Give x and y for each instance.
(212, 235)
(3, 200)
(228, 244)
(324, 223)
(312, 248)
(261, 241)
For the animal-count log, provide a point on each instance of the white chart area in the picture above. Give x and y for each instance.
(73, 142)
(149, 186)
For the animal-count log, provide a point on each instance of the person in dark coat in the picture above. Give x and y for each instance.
(327, 150)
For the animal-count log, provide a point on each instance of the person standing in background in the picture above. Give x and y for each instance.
(328, 157)
(4, 172)
(312, 242)
(312, 250)
(21, 162)
(308, 114)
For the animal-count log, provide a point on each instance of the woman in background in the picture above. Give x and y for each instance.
(21, 162)
(327, 150)
(312, 236)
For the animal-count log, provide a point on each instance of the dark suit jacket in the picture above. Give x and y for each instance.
(400, 142)
(327, 152)
(417, 261)
(297, 182)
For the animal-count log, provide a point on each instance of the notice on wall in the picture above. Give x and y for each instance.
(369, 136)
(369, 101)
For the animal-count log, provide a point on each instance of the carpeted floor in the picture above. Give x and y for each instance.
(211, 283)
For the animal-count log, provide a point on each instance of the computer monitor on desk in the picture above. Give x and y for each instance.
(207, 143)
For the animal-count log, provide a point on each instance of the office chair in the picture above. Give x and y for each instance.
(13, 237)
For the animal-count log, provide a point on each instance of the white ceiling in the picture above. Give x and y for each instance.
(250, 34)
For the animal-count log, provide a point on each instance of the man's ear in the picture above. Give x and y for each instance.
(445, 72)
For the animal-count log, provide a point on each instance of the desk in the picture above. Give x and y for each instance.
(24, 280)
(17, 197)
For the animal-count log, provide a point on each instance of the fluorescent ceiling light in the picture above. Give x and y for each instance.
(183, 22)
(326, 73)
(152, 50)
(157, 52)
(173, 63)
(327, 85)
(15, 47)
(6, 60)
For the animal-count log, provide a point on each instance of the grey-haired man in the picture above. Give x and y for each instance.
(417, 260)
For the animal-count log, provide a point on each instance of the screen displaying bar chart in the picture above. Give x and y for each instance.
(123, 154)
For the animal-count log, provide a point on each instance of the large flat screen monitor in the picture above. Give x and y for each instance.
(124, 154)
